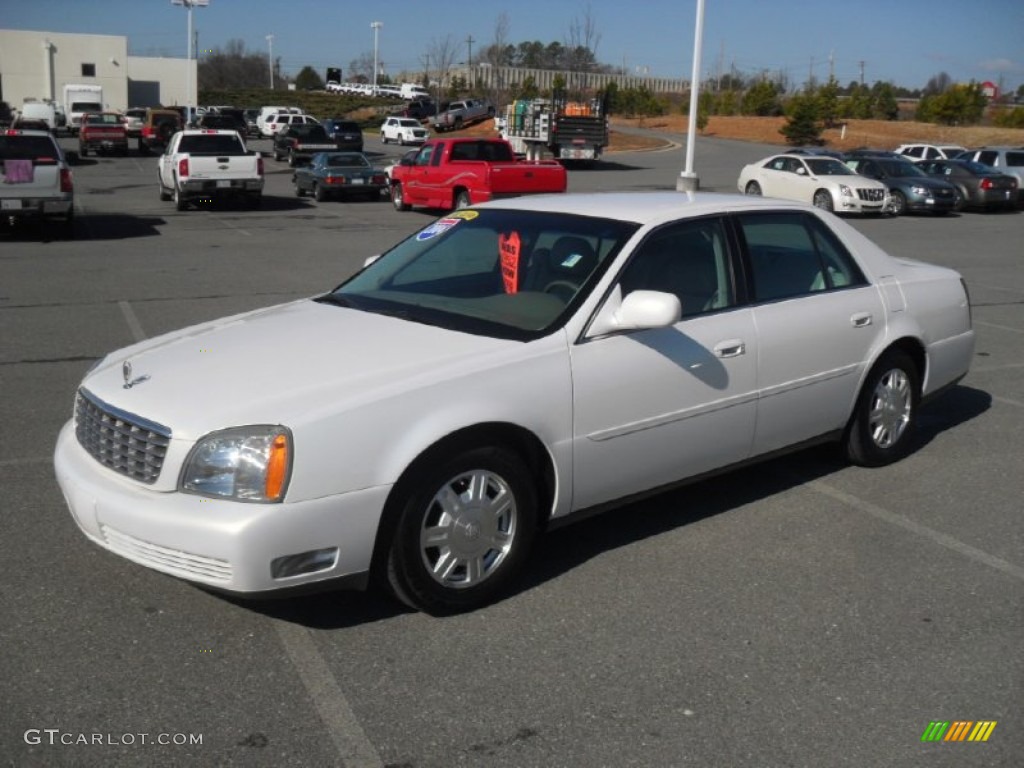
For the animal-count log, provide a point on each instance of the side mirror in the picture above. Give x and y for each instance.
(640, 310)
(801, 171)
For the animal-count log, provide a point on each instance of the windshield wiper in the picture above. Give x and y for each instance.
(333, 298)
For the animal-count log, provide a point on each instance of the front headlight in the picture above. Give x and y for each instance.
(242, 463)
(845, 191)
(919, 190)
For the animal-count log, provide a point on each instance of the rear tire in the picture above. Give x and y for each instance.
(318, 193)
(398, 198)
(180, 203)
(885, 415)
(462, 199)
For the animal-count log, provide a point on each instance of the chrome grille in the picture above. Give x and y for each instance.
(184, 564)
(871, 195)
(122, 441)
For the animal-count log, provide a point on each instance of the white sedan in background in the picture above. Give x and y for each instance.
(404, 130)
(506, 369)
(822, 181)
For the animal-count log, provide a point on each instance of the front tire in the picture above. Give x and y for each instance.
(885, 415)
(897, 203)
(465, 530)
(823, 199)
(753, 188)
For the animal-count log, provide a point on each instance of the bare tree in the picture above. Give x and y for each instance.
(440, 57)
(939, 83)
(361, 67)
(581, 42)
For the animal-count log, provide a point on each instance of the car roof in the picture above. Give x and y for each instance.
(642, 207)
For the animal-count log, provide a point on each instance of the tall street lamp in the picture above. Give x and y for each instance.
(270, 59)
(688, 181)
(189, 5)
(375, 25)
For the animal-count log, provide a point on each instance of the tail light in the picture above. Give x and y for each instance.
(147, 131)
(986, 183)
(381, 179)
(259, 165)
(334, 179)
(183, 168)
(66, 181)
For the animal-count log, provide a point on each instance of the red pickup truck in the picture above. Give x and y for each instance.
(454, 173)
(102, 132)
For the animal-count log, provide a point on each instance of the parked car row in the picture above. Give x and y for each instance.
(876, 181)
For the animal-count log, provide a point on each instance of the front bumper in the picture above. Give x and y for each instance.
(223, 544)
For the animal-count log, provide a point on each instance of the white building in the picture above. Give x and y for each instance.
(37, 65)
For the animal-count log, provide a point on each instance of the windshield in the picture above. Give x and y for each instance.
(351, 160)
(901, 169)
(827, 166)
(510, 274)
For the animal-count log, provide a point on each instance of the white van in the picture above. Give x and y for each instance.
(40, 110)
(266, 112)
(411, 91)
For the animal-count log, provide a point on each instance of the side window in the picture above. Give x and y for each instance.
(784, 260)
(690, 260)
(841, 269)
(932, 153)
(913, 152)
(423, 158)
(988, 158)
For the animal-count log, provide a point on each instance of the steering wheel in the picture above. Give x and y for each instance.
(559, 289)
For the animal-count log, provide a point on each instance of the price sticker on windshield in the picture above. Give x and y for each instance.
(509, 247)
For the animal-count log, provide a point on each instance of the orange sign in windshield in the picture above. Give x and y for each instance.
(508, 246)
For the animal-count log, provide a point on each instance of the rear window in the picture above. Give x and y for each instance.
(212, 144)
(1015, 159)
(28, 148)
(102, 120)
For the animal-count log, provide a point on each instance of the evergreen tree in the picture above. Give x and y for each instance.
(828, 102)
(803, 125)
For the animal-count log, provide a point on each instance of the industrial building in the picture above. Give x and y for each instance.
(37, 66)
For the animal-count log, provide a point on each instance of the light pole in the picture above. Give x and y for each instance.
(189, 5)
(688, 181)
(270, 59)
(375, 26)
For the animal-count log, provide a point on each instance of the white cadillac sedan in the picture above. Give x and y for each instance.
(822, 181)
(506, 369)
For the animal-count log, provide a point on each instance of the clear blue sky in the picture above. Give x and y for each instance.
(903, 41)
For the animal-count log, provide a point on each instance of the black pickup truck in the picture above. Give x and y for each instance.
(300, 142)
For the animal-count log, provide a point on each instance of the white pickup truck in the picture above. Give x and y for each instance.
(200, 165)
(35, 180)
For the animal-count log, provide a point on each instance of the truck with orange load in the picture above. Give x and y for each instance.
(567, 129)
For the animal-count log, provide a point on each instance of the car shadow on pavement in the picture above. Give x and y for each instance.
(560, 551)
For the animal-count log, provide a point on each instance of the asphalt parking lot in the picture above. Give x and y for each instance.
(798, 613)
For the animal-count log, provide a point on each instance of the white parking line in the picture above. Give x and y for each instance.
(906, 523)
(133, 322)
(1000, 327)
(354, 748)
(1008, 401)
(349, 739)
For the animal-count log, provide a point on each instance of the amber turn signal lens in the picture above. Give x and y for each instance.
(277, 468)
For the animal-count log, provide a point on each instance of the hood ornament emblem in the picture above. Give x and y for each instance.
(126, 372)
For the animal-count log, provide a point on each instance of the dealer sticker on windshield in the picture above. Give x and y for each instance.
(439, 227)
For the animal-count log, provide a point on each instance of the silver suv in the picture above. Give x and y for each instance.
(1009, 160)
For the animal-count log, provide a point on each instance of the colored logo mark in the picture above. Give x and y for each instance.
(958, 730)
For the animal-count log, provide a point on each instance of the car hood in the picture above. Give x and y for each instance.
(280, 366)
(918, 181)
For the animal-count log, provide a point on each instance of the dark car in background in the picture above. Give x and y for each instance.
(251, 117)
(910, 188)
(299, 143)
(979, 185)
(340, 174)
(347, 134)
(421, 109)
(222, 121)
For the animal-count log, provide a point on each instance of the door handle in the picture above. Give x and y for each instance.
(730, 348)
(861, 319)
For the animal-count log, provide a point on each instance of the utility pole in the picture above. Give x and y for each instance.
(469, 42)
(861, 62)
(270, 58)
(831, 65)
